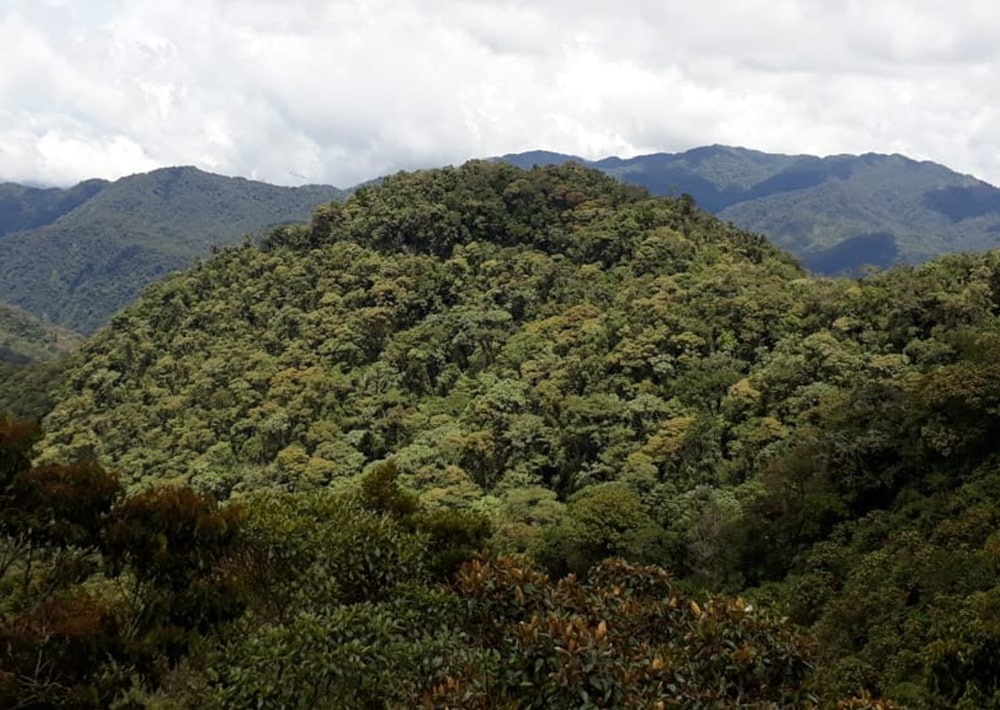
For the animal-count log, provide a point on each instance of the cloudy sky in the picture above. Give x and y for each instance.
(339, 91)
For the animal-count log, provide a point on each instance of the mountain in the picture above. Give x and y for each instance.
(93, 248)
(75, 256)
(836, 214)
(453, 319)
(556, 364)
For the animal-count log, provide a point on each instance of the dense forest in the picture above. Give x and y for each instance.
(76, 256)
(23, 207)
(486, 437)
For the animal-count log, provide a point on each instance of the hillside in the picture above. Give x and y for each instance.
(97, 257)
(76, 256)
(595, 373)
(32, 355)
(24, 338)
(836, 214)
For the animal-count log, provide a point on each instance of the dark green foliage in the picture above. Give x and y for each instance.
(454, 536)
(26, 390)
(500, 634)
(16, 439)
(960, 203)
(339, 611)
(70, 637)
(380, 491)
(877, 249)
(332, 603)
(602, 521)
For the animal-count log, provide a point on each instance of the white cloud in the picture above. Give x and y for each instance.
(343, 90)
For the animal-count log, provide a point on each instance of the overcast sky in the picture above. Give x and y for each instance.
(294, 91)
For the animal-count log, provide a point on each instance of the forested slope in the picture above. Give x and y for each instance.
(31, 355)
(24, 338)
(597, 373)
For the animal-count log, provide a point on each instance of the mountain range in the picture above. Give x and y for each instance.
(75, 256)
(835, 214)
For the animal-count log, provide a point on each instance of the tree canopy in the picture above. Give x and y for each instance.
(553, 365)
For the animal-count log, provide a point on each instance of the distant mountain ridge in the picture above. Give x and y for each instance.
(81, 254)
(24, 207)
(835, 214)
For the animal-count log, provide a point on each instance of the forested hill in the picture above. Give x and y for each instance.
(836, 214)
(431, 296)
(86, 252)
(595, 372)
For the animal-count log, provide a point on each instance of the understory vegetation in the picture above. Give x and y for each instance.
(485, 437)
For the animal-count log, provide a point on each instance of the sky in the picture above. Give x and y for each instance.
(341, 91)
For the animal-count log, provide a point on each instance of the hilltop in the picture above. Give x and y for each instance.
(835, 214)
(82, 254)
(433, 289)
(483, 327)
